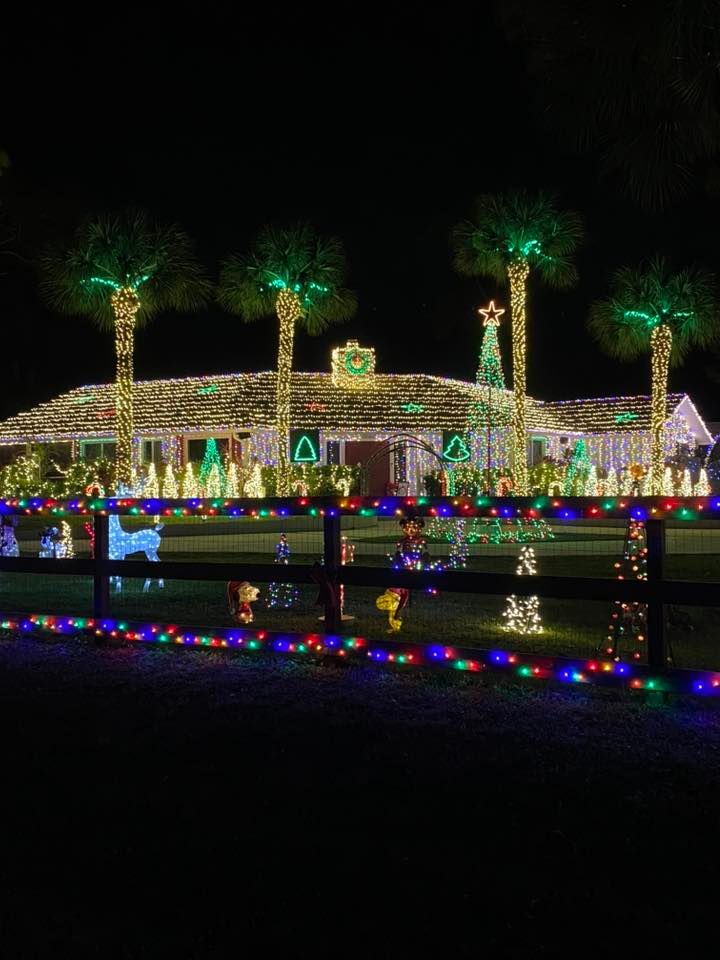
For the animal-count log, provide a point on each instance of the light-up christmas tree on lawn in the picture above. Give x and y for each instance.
(522, 614)
(578, 471)
(212, 479)
(282, 595)
(627, 630)
(169, 484)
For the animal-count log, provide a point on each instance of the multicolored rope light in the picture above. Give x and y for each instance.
(520, 508)
(391, 651)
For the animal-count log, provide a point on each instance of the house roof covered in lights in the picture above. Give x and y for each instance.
(351, 398)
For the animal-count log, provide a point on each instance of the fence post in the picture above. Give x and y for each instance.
(331, 563)
(657, 648)
(101, 583)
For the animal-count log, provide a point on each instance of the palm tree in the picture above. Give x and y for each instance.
(652, 308)
(509, 236)
(298, 276)
(120, 271)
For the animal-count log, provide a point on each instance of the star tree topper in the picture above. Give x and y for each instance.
(491, 315)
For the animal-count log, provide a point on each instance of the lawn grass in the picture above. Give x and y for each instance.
(570, 628)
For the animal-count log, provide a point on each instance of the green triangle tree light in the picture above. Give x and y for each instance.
(457, 449)
(304, 451)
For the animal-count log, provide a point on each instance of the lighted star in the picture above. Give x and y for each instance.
(491, 314)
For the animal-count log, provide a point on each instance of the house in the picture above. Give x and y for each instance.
(399, 426)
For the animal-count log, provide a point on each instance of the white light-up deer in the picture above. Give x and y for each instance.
(121, 543)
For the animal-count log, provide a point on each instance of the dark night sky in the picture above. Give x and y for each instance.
(380, 131)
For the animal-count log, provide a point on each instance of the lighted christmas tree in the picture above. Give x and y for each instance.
(169, 484)
(211, 460)
(522, 614)
(232, 481)
(628, 627)
(611, 486)
(457, 450)
(65, 546)
(151, 486)
(459, 548)
(591, 484)
(577, 471)
(282, 595)
(626, 483)
(254, 485)
(668, 485)
(213, 483)
(702, 487)
(685, 485)
(490, 371)
(190, 488)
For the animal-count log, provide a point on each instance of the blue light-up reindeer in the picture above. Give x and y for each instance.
(121, 543)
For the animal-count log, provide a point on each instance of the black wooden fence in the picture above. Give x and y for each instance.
(656, 591)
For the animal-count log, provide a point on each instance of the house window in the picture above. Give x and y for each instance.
(332, 450)
(97, 450)
(537, 449)
(196, 449)
(152, 451)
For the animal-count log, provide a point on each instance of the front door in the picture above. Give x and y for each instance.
(360, 452)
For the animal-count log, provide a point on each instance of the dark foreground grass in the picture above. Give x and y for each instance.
(192, 804)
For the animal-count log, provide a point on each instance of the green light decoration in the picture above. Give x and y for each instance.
(455, 448)
(85, 398)
(357, 363)
(211, 459)
(626, 417)
(412, 407)
(130, 283)
(211, 388)
(577, 472)
(304, 446)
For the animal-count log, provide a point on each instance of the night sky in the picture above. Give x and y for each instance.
(380, 131)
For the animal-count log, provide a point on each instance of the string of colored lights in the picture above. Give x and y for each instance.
(530, 508)
(393, 652)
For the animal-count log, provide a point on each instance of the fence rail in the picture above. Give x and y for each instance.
(655, 591)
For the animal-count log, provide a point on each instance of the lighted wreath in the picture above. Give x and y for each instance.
(357, 363)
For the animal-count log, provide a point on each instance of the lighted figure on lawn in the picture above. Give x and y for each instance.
(522, 614)
(628, 627)
(393, 601)
(8, 541)
(282, 595)
(411, 552)
(56, 542)
(121, 544)
(240, 595)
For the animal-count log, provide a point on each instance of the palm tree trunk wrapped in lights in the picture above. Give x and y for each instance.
(661, 347)
(518, 272)
(288, 312)
(125, 304)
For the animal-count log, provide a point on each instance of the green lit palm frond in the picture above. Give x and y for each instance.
(124, 250)
(643, 298)
(518, 225)
(294, 258)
